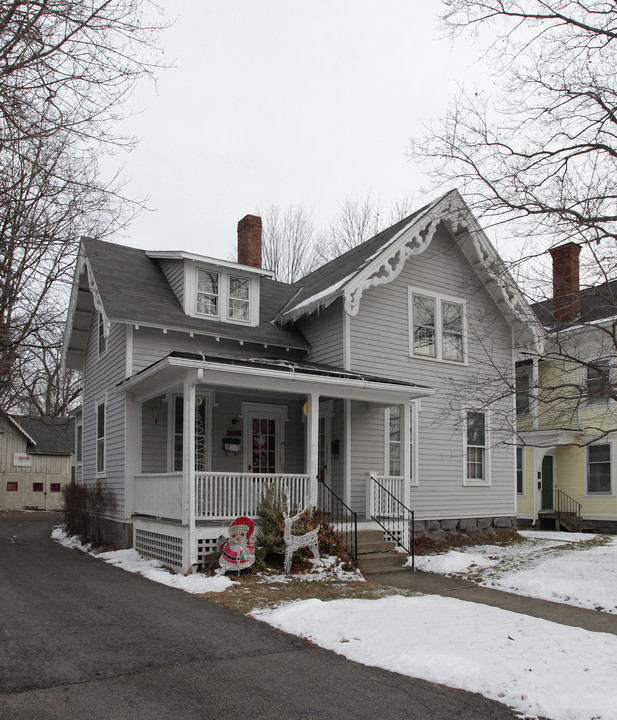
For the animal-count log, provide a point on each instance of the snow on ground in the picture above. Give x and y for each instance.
(327, 568)
(535, 666)
(132, 561)
(561, 567)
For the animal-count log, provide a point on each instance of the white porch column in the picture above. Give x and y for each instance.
(312, 444)
(188, 464)
(133, 451)
(405, 429)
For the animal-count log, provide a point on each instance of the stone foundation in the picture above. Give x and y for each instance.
(117, 533)
(437, 529)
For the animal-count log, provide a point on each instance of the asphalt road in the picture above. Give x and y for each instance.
(82, 639)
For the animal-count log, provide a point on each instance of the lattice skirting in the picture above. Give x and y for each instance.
(165, 548)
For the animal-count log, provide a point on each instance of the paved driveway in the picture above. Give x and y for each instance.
(80, 638)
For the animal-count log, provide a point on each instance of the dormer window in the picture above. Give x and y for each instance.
(239, 298)
(221, 295)
(207, 293)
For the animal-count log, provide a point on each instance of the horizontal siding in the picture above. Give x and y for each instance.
(151, 345)
(380, 345)
(101, 376)
(324, 331)
(174, 272)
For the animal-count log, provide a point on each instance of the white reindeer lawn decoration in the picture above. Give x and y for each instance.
(297, 542)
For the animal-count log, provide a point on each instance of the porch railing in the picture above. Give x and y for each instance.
(227, 495)
(386, 509)
(568, 506)
(343, 518)
(159, 495)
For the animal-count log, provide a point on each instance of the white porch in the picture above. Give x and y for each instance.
(188, 476)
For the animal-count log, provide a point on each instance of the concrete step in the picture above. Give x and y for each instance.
(370, 536)
(382, 546)
(379, 562)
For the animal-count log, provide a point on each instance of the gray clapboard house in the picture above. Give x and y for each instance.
(343, 380)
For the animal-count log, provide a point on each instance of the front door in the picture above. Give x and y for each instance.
(547, 483)
(263, 444)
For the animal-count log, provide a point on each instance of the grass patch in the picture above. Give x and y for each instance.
(254, 592)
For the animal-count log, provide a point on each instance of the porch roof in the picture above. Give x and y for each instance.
(271, 374)
(550, 437)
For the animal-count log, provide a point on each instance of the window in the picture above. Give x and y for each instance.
(477, 471)
(599, 469)
(37, 487)
(201, 459)
(79, 442)
(598, 379)
(437, 327)
(208, 293)
(55, 487)
(393, 450)
(102, 340)
(239, 289)
(522, 388)
(100, 437)
(520, 485)
(12, 486)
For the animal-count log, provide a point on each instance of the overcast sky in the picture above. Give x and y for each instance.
(278, 101)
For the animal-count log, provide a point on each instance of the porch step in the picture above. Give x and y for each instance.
(376, 555)
(380, 562)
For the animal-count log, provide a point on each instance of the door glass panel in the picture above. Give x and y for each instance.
(264, 445)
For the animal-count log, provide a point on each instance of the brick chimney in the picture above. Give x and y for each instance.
(566, 285)
(249, 241)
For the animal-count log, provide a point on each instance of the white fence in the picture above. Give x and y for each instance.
(228, 495)
(159, 495)
(380, 503)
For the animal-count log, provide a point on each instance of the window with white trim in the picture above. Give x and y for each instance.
(476, 444)
(437, 327)
(599, 469)
(79, 442)
(207, 292)
(520, 474)
(598, 380)
(239, 298)
(100, 437)
(221, 295)
(201, 434)
(523, 387)
(393, 442)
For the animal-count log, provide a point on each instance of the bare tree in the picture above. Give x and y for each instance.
(357, 221)
(288, 242)
(65, 68)
(538, 155)
(536, 158)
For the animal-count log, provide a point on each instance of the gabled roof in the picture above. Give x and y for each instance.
(13, 421)
(381, 259)
(597, 303)
(129, 287)
(53, 435)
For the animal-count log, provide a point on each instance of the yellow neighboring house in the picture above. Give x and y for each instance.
(566, 411)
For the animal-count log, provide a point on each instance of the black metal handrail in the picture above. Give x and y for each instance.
(342, 517)
(568, 505)
(399, 525)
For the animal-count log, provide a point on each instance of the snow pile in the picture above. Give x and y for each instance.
(555, 566)
(535, 666)
(451, 562)
(132, 561)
